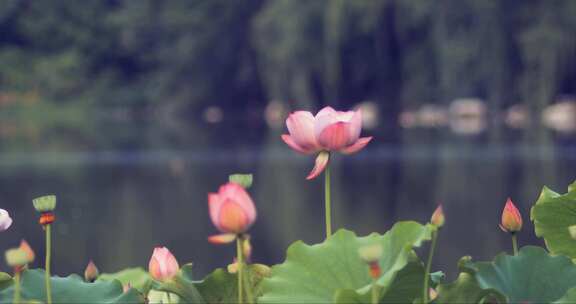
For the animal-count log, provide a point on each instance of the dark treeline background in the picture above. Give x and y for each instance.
(131, 111)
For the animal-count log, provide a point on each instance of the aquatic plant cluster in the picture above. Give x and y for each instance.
(344, 268)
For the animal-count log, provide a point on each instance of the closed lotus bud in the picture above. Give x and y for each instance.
(5, 220)
(45, 203)
(370, 253)
(231, 209)
(16, 257)
(163, 265)
(432, 294)
(24, 246)
(572, 231)
(91, 272)
(437, 218)
(511, 218)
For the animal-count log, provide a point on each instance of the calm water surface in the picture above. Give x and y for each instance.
(123, 189)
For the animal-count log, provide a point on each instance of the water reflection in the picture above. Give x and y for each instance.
(125, 187)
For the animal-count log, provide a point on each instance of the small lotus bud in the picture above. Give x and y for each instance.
(24, 246)
(163, 265)
(572, 231)
(370, 253)
(126, 288)
(511, 218)
(16, 257)
(432, 294)
(437, 218)
(91, 272)
(45, 203)
(244, 180)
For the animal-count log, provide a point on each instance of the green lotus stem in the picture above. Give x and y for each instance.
(168, 297)
(374, 292)
(240, 261)
(327, 201)
(16, 299)
(515, 243)
(246, 278)
(48, 255)
(428, 266)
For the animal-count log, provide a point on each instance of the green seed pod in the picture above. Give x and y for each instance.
(45, 203)
(244, 180)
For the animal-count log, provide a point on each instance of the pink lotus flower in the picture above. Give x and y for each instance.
(329, 130)
(511, 218)
(163, 265)
(232, 212)
(5, 220)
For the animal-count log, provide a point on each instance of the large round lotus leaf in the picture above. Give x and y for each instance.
(466, 290)
(318, 273)
(533, 276)
(552, 214)
(406, 287)
(71, 289)
(137, 278)
(218, 287)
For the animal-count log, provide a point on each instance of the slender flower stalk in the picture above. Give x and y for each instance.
(48, 257)
(425, 291)
(16, 299)
(515, 243)
(240, 261)
(46, 205)
(437, 220)
(327, 202)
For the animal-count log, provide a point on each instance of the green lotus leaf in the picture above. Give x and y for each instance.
(333, 270)
(71, 289)
(465, 289)
(552, 214)
(533, 276)
(218, 287)
(404, 289)
(137, 278)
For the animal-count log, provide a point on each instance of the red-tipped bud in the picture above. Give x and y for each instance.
(437, 218)
(25, 247)
(91, 272)
(126, 288)
(511, 218)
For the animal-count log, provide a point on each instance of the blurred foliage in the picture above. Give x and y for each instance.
(187, 54)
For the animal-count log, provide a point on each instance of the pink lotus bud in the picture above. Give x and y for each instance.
(329, 130)
(163, 265)
(511, 218)
(5, 220)
(231, 209)
(126, 288)
(437, 218)
(91, 272)
(25, 247)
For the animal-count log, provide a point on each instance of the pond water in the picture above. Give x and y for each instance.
(125, 187)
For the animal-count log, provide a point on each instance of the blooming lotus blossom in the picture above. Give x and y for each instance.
(232, 211)
(328, 131)
(511, 218)
(163, 265)
(5, 220)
